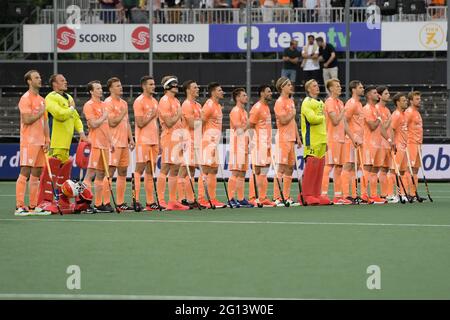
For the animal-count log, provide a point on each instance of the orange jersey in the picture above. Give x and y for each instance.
(191, 111)
(371, 138)
(334, 133)
(355, 118)
(415, 126)
(119, 133)
(283, 107)
(400, 125)
(261, 118)
(212, 116)
(150, 133)
(238, 120)
(384, 113)
(32, 134)
(169, 107)
(100, 136)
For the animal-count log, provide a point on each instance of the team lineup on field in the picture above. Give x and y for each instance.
(346, 139)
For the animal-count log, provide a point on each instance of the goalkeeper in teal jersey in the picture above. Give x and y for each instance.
(314, 134)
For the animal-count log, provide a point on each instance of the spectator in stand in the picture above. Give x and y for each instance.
(238, 4)
(283, 15)
(310, 63)
(438, 13)
(143, 15)
(312, 7)
(110, 16)
(291, 58)
(267, 10)
(174, 15)
(327, 55)
(128, 6)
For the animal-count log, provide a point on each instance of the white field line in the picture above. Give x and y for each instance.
(125, 297)
(318, 223)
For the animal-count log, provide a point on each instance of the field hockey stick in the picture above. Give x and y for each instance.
(106, 167)
(286, 204)
(190, 182)
(255, 185)
(55, 192)
(133, 191)
(355, 151)
(224, 183)
(412, 176)
(423, 173)
(205, 185)
(298, 179)
(398, 180)
(154, 180)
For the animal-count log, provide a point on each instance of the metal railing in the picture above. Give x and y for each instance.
(228, 16)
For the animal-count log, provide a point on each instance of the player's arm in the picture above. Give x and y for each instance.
(298, 138)
(170, 120)
(97, 122)
(284, 116)
(46, 133)
(115, 121)
(189, 116)
(56, 111)
(78, 124)
(347, 130)
(310, 115)
(29, 118)
(336, 118)
(131, 143)
(373, 124)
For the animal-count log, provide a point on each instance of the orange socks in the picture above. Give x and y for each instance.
(240, 188)
(390, 183)
(33, 185)
(353, 184)
(287, 182)
(383, 184)
(98, 186)
(121, 185)
(232, 182)
(365, 180)
(188, 189)
(251, 188)
(373, 181)
(161, 186)
(106, 192)
(345, 183)
(149, 188)
(326, 179)
(337, 181)
(181, 188)
(262, 183)
(201, 187)
(172, 188)
(276, 190)
(21, 187)
(137, 184)
(212, 184)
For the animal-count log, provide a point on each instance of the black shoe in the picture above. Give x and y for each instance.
(104, 208)
(137, 207)
(353, 200)
(191, 205)
(90, 210)
(125, 207)
(418, 199)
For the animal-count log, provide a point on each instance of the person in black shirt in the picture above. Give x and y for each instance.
(327, 55)
(291, 58)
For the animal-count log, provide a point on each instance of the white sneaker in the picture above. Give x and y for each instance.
(21, 212)
(405, 199)
(292, 203)
(279, 203)
(392, 199)
(38, 211)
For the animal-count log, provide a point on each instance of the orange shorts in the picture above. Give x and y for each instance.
(285, 153)
(119, 158)
(336, 153)
(95, 159)
(348, 155)
(261, 157)
(387, 160)
(172, 150)
(238, 161)
(372, 156)
(414, 156)
(32, 156)
(189, 155)
(209, 154)
(400, 160)
(143, 152)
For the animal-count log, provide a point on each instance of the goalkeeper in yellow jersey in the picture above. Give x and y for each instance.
(64, 120)
(314, 134)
